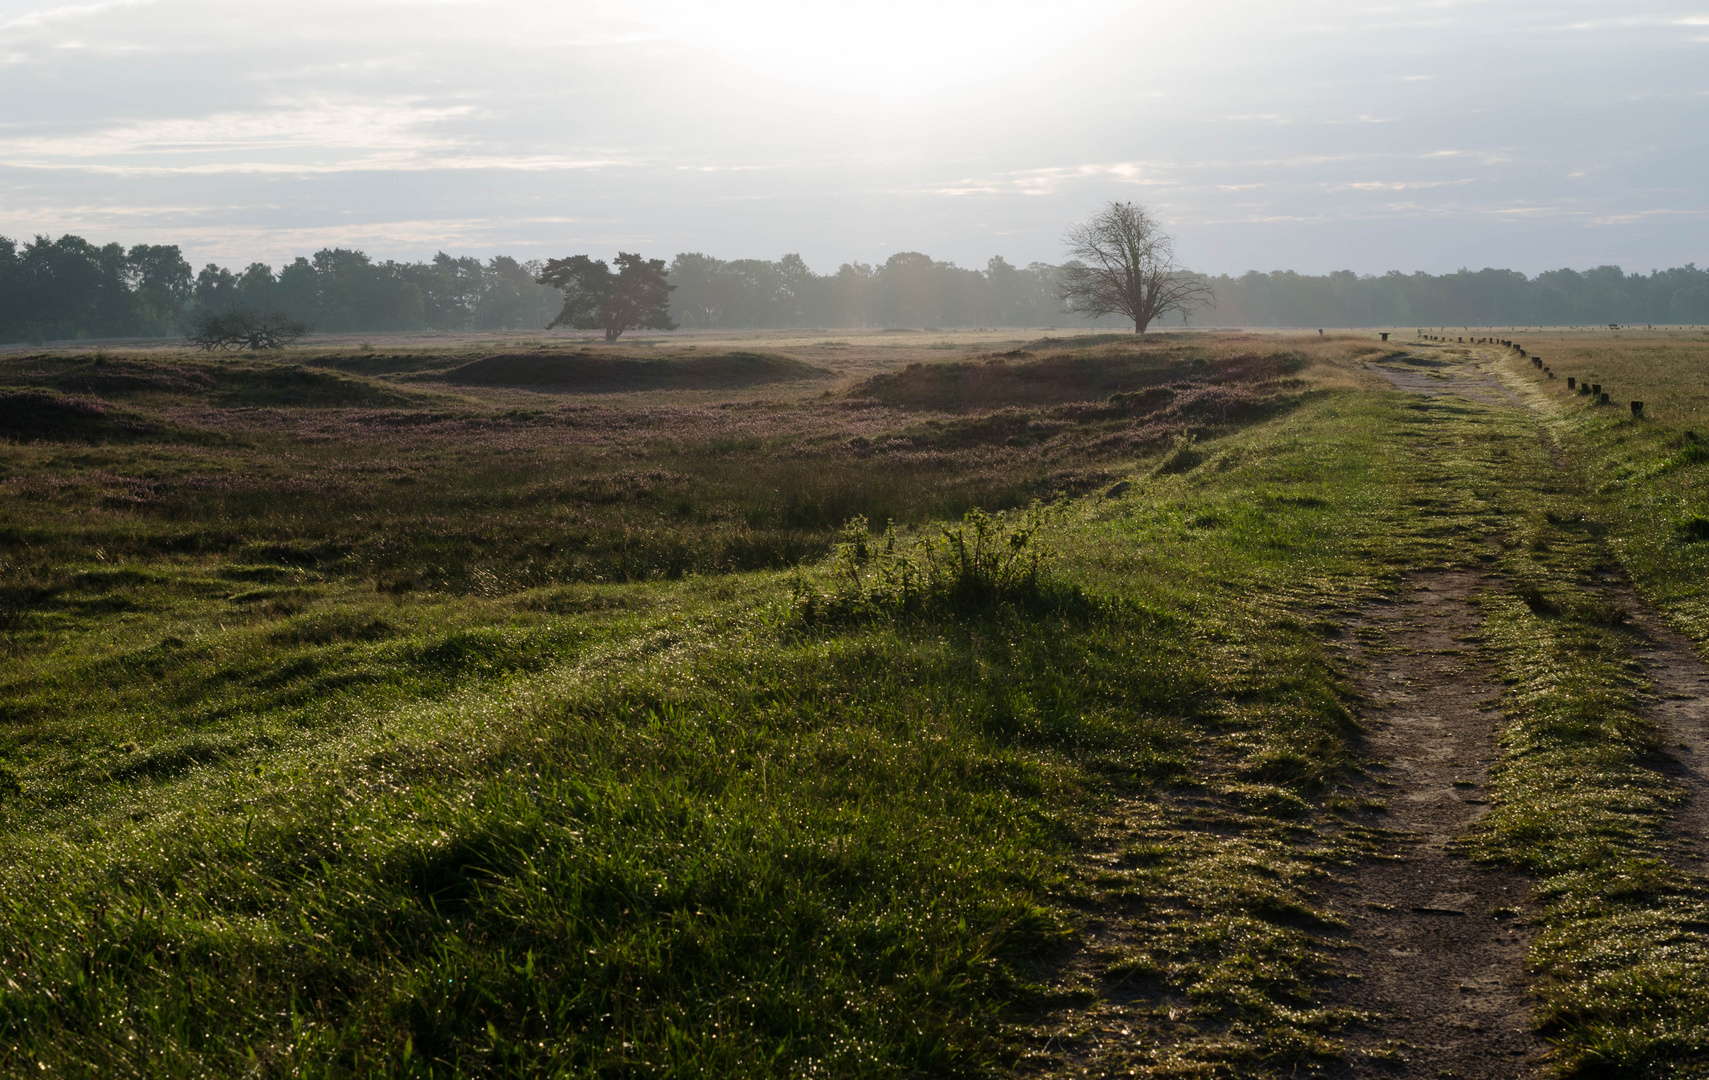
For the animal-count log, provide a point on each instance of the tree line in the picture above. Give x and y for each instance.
(70, 288)
(908, 289)
(1605, 294)
(56, 289)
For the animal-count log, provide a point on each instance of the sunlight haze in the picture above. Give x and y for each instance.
(1306, 136)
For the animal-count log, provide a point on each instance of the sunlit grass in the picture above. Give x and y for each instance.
(471, 737)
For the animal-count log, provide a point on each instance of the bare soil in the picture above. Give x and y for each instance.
(1422, 373)
(1677, 702)
(1437, 946)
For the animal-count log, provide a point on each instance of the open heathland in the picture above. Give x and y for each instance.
(913, 704)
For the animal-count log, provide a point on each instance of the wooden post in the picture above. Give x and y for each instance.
(1571, 382)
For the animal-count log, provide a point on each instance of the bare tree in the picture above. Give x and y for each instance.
(1124, 264)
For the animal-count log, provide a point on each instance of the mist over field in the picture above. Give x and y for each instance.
(1311, 137)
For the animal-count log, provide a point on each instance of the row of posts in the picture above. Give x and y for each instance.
(1597, 396)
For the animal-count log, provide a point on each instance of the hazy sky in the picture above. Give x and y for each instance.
(1268, 135)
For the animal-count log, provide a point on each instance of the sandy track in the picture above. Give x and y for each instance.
(1677, 702)
(1438, 943)
(1434, 377)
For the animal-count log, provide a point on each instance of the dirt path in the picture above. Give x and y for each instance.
(1438, 942)
(1436, 945)
(1434, 376)
(1678, 704)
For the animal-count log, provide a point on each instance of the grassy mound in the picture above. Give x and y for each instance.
(372, 362)
(110, 377)
(1090, 374)
(226, 383)
(38, 416)
(602, 374)
(291, 384)
(1082, 341)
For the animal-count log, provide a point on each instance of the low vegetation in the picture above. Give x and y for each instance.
(584, 372)
(1586, 788)
(363, 717)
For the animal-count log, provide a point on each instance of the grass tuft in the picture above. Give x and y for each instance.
(968, 569)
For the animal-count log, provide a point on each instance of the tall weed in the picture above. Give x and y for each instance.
(975, 566)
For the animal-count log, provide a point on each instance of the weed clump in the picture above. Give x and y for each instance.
(973, 567)
(1184, 456)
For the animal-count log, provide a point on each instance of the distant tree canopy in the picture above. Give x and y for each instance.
(1466, 298)
(69, 287)
(908, 289)
(595, 298)
(66, 288)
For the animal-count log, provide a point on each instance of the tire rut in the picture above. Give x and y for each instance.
(1677, 703)
(1437, 943)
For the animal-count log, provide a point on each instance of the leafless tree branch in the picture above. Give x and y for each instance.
(1124, 264)
(242, 328)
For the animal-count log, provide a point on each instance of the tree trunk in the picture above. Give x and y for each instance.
(611, 333)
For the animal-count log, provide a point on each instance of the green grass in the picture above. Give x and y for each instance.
(394, 739)
(338, 751)
(1583, 800)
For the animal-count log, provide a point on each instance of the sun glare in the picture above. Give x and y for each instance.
(887, 47)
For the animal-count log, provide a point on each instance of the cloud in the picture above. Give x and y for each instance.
(1644, 215)
(323, 137)
(359, 125)
(43, 17)
(1051, 179)
(1398, 185)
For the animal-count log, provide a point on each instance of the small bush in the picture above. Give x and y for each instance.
(974, 566)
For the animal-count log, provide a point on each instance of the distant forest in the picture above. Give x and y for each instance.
(69, 288)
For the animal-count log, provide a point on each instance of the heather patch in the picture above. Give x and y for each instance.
(1072, 375)
(583, 372)
(41, 416)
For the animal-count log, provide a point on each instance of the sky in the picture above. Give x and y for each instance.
(1314, 135)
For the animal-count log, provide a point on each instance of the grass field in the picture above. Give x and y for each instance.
(532, 707)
